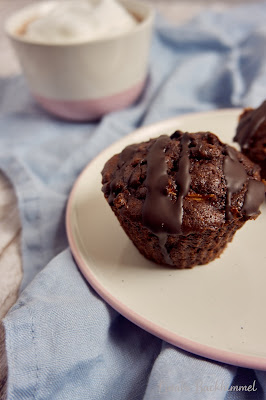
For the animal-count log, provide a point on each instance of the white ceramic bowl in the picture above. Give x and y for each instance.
(85, 80)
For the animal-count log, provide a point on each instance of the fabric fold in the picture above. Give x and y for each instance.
(71, 342)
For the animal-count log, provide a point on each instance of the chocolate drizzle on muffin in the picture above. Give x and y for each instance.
(160, 214)
(180, 199)
(251, 135)
(254, 197)
(235, 175)
(249, 124)
(183, 178)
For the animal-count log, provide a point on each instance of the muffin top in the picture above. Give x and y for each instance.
(182, 184)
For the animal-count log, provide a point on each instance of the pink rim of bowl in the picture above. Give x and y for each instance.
(162, 333)
(89, 110)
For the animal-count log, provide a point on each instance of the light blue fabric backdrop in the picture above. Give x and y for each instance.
(63, 341)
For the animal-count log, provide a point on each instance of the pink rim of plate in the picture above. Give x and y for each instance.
(162, 333)
(89, 110)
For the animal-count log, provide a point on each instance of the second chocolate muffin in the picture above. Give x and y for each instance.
(181, 199)
(251, 135)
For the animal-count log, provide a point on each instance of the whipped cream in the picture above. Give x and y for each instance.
(72, 21)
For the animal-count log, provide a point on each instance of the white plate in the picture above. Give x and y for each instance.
(216, 310)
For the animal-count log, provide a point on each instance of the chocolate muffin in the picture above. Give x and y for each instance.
(181, 199)
(251, 135)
